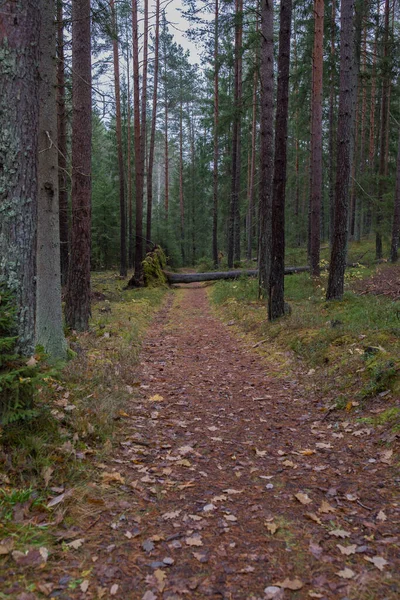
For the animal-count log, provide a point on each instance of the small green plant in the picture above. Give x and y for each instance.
(18, 376)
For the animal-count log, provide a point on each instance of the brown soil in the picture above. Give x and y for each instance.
(212, 456)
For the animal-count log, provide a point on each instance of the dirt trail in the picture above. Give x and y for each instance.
(212, 458)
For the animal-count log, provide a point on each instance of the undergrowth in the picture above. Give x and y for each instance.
(76, 410)
(350, 348)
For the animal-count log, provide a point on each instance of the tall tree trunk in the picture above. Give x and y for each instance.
(181, 198)
(234, 211)
(345, 134)
(384, 129)
(276, 304)
(62, 147)
(396, 214)
(362, 158)
(316, 138)
(118, 122)
(77, 301)
(49, 320)
(137, 278)
(266, 144)
(19, 109)
(252, 169)
(166, 154)
(143, 126)
(216, 146)
(153, 126)
(332, 129)
(129, 171)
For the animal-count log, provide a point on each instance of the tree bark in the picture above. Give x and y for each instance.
(123, 270)
(252, 169)
(153, 126)
(276, 301)
(137, 279)
(332, 129)
(344, 151)
(143, 125)
(316, 138)
(216, 146)
(19, 109)
(234, 210)
(181, 197)
(49, 319)
(383, 133)
(221, 275)
(129, 170)
(266, 144)
(396, 214)
(62, 147)
(77, 301)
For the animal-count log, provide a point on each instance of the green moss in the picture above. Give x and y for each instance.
(153, 268)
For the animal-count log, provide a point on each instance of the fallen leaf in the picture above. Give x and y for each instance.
(6, 546)
(339, 533)
(200, 557)
(322, 445)
(347, 550)
(272, 527)
(289, 463)
(110, 477)
(194, 541)
(313, 594)
(233, 491)
(260, 453)
(184, 462)
(114, 589)
(84, 585)
(230, 517)
(149, 596)
(315, 549)
(381, 516)
(302, 498)
(209, 507)
(171, 515)
(75, 544)
(346, 573)
(379, 562)
(386, 457)
(314, 518)
(160, 577)
(60, 498)
(307, 452)
(46, 474)
(326, 508)
(351, 497)
(156, 398)
(290, 584)
(32, 362)
(272, 592)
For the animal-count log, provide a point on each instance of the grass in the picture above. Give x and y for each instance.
(79, 411)
(351, 346)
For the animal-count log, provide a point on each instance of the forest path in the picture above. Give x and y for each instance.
(212, 457)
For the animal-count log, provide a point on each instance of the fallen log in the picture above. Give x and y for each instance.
(219, 275)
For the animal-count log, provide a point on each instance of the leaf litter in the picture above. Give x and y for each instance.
(175, 504)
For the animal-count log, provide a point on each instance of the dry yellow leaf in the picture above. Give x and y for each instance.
(326, 508)
(314, 517)
(156, 398)
(290, 584)
(307, 452)
(302, 498)
(110, 477)
(272, 527)
(346, 573)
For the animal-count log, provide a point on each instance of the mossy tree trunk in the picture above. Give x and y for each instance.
(19, 110)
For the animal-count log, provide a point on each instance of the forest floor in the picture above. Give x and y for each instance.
(227, 481)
